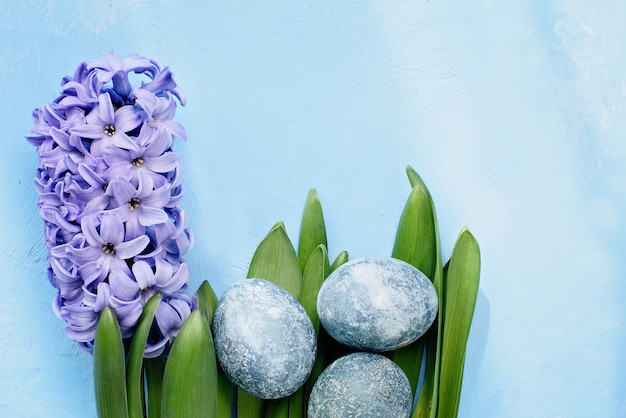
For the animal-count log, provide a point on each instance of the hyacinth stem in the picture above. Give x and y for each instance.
(154, 368)
(109, 368)
(190, 377)
(134, 376)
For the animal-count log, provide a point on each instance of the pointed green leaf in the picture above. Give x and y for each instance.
(416, 243)
(225, 388)
(210, 300)
(341, 258)
(109, 370)
(275, 260)
(312, 228)
(315, 272)
(134, 376)
(461, 289)
(415, 237)
(414, 178)
(190, 378)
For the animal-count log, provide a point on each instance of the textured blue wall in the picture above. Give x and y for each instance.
(513, 113)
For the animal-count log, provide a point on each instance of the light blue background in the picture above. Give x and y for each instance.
(514, 113)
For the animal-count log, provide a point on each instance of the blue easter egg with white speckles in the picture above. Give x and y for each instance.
(264, 339)
(377, 304)
(361, 385)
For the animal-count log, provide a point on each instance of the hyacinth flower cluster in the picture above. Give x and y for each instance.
(109, 187)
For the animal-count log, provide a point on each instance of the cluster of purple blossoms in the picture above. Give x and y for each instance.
(109, 186)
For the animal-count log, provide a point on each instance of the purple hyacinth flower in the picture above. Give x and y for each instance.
(109, 187)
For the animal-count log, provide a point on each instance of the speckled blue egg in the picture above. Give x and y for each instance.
(361, 385)
(377, 304)
(264, 339)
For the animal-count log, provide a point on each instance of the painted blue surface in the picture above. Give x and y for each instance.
(514, 113)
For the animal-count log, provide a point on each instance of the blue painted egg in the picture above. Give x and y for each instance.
(361, 385)
(377, 304)
(264, 339)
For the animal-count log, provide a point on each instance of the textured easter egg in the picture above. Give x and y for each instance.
(361, 385)
(264, 339)
(377, 304)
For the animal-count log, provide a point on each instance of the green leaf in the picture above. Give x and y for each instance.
(190, 378)
(416, 234)
(414, 178)
(210, 300)
(275, 260)
(416, 243)
(341, 258)
(134, 376)
(461, 289)
(278, 408)
(297, 404)
(312, 229)
(249, 406)
(225, 388)
(108, 368)
(315, 272)
(154, 368)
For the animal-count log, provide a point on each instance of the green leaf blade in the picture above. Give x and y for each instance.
(417, 243)
(312, 229)
(461, 290)
(109, 368)
(275, 260)
(341, 258)
(315, 273)
(134, 376)
(190, 377)
(207, 303)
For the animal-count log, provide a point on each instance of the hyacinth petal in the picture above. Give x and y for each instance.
(129, 249)
(122, 285)
(139, 64)
(126, 119)
(167, 318)
(175, 128)
(166, 162)
(122, 140)
(88, 131)
(159, 198)
(105, 108)
(143, 275)
(80, 256)
(163, 271)
(177, 281)
(121, 190)
(89, 231)
(111, 228)
(159, 140)
(149, 216)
